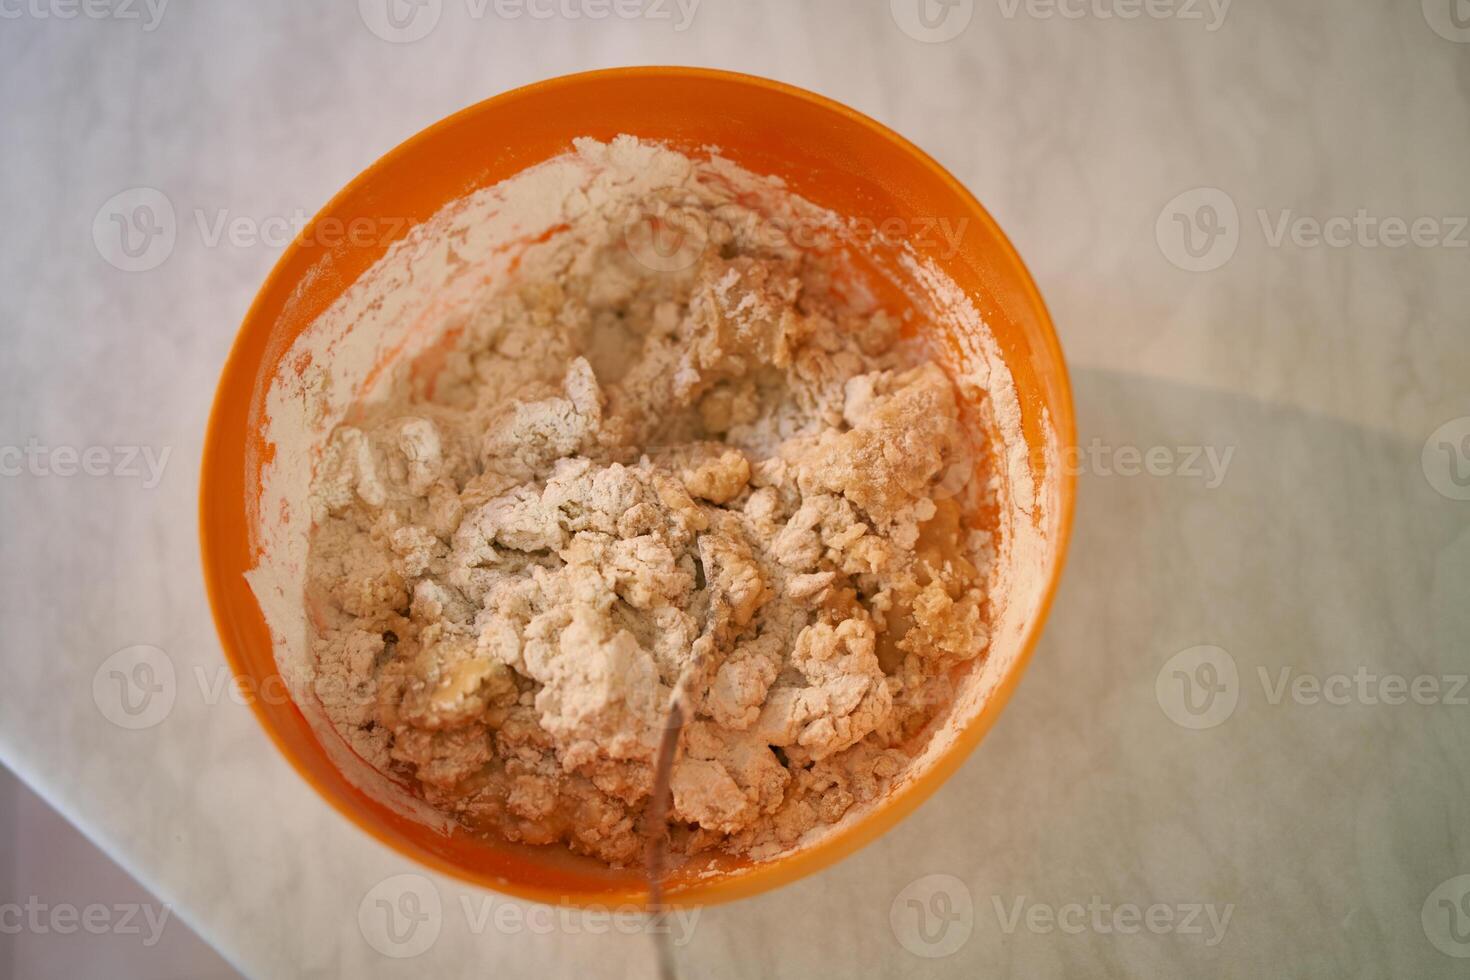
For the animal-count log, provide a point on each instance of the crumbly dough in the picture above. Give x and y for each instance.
(618, 470)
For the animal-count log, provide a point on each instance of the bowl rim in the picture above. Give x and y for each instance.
(828, 849)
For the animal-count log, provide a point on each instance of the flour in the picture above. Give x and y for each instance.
(621, 465)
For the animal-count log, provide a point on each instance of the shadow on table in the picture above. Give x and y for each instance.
(1318, 557)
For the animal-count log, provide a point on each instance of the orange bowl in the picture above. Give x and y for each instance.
(827, 153)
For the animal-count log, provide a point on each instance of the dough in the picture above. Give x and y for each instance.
(619, 465)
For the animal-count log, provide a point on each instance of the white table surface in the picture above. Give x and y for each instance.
(1333, 833)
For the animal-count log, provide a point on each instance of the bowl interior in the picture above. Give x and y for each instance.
(826, 153)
